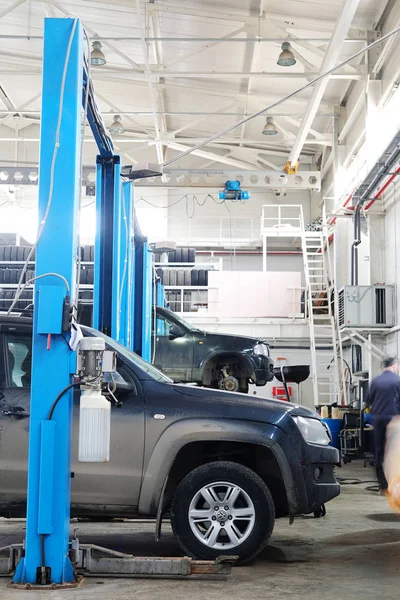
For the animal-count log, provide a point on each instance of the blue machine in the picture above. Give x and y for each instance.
(122, 291)
(47, 528)
(232, 191)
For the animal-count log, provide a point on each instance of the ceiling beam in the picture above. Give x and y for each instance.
(94, 34)
(234, 15)
(342, 26)
(327, 141)
(207, 46)
(9, 9)
(204, 118)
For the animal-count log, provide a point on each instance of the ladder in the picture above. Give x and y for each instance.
(325, 341)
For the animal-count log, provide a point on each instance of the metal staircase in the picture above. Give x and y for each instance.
(325, 342)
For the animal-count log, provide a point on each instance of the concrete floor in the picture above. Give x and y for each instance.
(352, 553)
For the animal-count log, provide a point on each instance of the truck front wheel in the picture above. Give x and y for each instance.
(222, 508)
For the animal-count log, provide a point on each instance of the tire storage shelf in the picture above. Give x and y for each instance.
(12, 261)
(184, 280)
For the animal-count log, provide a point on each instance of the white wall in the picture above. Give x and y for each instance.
(391, 224)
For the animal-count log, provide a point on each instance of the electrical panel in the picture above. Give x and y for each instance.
(371, 306)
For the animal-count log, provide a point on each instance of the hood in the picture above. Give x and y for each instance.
(247, 342)
(244, 406)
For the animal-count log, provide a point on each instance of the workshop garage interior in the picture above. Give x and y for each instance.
(199, 304)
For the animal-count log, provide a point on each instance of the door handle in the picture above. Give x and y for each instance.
(16, 413)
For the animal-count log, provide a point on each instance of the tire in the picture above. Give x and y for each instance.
(90, 275)
(86, 254)
(2, 253)
(165, 277)
(30, 274)
(180, 278)
(7, 276)
(188, 278)
(172, 277)
(20, 253)
(187, 302)
(15, 274)
(2, 275)
(91, 253)
(7, 253)
(27, 250)
(202, 277)
(178, 255)
(194, 275)
(192, 255)
(185, 255)
(83, 277)
(14, 253)
(254, 494)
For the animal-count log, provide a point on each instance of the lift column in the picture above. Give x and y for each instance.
(49, 465)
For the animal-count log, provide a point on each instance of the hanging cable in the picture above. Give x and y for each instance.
(282, 100)
(52, 168)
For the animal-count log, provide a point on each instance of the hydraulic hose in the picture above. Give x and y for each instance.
(60, 395)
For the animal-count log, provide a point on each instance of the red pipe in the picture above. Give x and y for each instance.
(382, 189)
(377, 195)
(246, 253)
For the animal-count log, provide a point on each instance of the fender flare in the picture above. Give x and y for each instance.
(183, 432)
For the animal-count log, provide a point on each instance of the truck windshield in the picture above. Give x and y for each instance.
(130, 356)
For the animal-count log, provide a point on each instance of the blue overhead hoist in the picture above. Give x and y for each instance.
(232, 191)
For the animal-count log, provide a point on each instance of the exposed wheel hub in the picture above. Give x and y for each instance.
(222, 515)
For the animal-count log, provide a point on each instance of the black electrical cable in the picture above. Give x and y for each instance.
(355, 481)
(60, 395)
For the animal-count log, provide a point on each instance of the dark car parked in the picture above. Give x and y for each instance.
(218, 360)
(221, 465)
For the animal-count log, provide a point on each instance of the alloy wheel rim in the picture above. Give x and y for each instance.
(222, 515)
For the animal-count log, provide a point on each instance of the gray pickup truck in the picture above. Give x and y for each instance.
(221, 465)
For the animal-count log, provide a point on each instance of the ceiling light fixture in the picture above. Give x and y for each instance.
(97, 58)
(116, 125)
(269, 127)
(286, 57)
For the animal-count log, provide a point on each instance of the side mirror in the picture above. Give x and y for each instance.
(175, 332)
(121, 385)
(125, 387)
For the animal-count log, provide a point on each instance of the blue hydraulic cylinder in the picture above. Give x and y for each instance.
(49, 462)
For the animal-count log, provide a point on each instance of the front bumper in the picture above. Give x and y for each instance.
(319, 476)
(312, 470)
(263, 369)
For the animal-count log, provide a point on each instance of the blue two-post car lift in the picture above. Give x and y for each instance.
(122, 290)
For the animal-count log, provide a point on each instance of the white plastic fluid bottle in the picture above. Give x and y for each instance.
(94, 427)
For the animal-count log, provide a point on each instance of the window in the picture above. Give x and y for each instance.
(163, 325)
(19, 360)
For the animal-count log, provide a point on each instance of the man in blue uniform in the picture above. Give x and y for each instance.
(384, 402)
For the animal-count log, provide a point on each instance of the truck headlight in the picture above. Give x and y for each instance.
(313, 430)
(261, 349)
